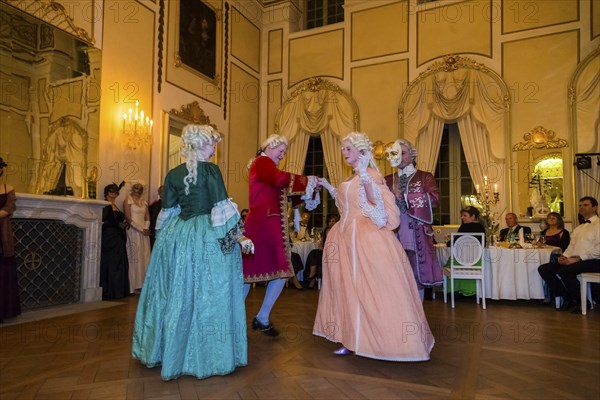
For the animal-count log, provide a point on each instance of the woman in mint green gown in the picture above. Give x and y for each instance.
(191, 318)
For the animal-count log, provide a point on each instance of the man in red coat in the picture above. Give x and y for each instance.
(267, 226)
(416, 195)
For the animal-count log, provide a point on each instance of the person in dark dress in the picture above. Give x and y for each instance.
(556, 234)
(470, 222)
(154, 209)
(314, 261)
(114, 265)
(10, 305)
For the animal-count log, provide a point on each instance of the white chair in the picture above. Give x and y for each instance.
(466, 262)
(587, 278)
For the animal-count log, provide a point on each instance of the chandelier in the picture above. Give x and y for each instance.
(137, 128)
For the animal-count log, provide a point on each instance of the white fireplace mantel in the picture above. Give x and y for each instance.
(83, 213)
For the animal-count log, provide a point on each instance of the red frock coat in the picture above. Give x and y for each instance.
(266, 223)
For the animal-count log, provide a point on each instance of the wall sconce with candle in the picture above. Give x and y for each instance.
(137, 128)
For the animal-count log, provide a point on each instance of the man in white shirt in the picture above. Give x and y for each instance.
(582, 255)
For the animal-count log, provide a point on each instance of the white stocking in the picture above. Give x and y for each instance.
(274, 289)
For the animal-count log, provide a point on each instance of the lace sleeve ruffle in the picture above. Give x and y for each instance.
(166, 214)
(307, 197)
(376, 212)
(230, 241)
(220, 215)
(222, 212)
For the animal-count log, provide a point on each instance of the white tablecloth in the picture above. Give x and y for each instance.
(303, 248)
(510, 273)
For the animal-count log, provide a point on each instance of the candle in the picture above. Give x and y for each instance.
(495, 188)
(485, 180)
(477, 188)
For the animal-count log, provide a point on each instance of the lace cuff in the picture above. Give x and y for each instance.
(230, 241)
(166, 214)
(310, 203)
(222, 211)
(375, 212)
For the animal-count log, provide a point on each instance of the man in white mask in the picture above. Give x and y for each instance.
(416, 195)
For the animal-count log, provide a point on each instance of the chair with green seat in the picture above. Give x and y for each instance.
(466, 262)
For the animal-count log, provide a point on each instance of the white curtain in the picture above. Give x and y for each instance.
(317, 108)
(428, 144)
(474, 136)
(587, 123)
(458, 89)
(296, 154)
(453, 94)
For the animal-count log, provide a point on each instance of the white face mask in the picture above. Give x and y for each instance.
(394, 154)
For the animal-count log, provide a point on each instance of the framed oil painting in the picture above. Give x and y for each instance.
(194, 47)
(198, 37)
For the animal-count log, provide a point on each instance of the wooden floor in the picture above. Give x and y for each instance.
(514, 349)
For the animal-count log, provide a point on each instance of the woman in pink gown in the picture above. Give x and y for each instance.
(369, 301)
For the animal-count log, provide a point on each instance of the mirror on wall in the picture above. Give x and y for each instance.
(49, 107)
(173, 123)
(539, 170)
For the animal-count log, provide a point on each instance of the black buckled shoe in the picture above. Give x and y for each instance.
(268, 330)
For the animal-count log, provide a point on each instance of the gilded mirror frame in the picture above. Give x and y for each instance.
(172, 124)
(543, 194)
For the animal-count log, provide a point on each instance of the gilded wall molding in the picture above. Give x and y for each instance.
(192, 113)
(53, 14)
(540, 138)
(315, 85)
(571, 90)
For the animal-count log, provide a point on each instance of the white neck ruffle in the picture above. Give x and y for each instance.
(407, 171)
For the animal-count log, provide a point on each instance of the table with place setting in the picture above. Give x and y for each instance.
(303, 248)
(510, 273)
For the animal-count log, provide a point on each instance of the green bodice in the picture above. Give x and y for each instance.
(208, 190)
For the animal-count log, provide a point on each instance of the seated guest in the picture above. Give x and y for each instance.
(298, 266)
(470, 224)
(303, 233)
(314, 261)
(582, 255)
(513, 228)
(556, 234)
(470, 221)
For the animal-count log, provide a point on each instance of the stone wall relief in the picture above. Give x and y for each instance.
(51, 73)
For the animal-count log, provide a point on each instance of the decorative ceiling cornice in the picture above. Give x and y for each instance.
(52, 13)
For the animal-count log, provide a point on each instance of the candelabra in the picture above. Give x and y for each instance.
(487, 198)
(136, 128)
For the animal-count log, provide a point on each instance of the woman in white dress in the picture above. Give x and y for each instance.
(138, 236)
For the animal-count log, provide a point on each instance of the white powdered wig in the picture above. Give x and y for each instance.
(196, 137)
(363, 144)
(273, 141)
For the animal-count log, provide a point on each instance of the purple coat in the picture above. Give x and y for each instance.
(415, 233)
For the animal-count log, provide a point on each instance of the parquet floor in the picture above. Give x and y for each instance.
(514, 349)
